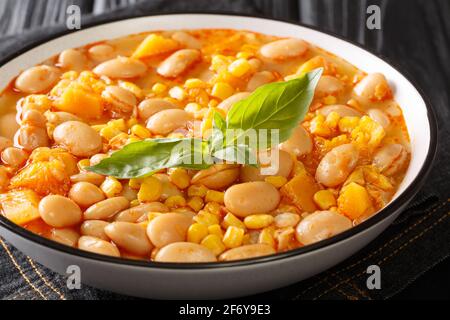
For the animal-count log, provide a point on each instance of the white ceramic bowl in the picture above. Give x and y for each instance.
(229, 279)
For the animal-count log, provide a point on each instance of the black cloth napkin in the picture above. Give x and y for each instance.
(414, 34)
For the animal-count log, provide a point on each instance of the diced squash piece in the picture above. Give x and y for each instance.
(76, 100)
(300, 190)
(377, 179)
(153, 45)
(20, 206)
(47, 154)
(354, 201)
(356, 176)
(45, 177)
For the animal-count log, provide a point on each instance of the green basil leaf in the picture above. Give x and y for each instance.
(278, 105)
(240, 154)
(145, 157)
(216, 140)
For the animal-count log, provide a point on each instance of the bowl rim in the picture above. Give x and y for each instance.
(384, 213)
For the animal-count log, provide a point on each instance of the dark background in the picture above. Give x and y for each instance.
(415, 34)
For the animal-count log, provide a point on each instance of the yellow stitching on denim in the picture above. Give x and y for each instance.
(47, 283)
(404, 245)
(376, 251)
(360, 291)
(20, 270)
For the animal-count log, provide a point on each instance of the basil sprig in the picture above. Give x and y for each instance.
(279, 105)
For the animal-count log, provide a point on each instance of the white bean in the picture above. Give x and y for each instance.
(99, 246)
(168, 228)
(380, 117)
(86, 194)
(101, 52)
(299, 143)
(107, 208)
(321, 225)
(73, 59)
(336, 165)
(58, 211)
(391, 158)
(149, 107)
(186, 252)
(66, 236)
(130, 237)
(119, 99)
(284, 49)
(230, 101)
(37, 79)
(166, 121)
(14, 157)
(78, 137)
(178, 62)
(329, 85)
(259, 79)
(341, 109)
(94, 228)
(186, 40)
(121, 67)
(247, 252)
(135, 213)
(373, 87)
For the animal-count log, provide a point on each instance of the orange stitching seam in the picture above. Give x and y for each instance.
(47, 283)
(404, 245)
(27, 280)
(376, 251)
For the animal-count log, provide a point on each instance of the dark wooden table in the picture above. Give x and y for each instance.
(414, 34)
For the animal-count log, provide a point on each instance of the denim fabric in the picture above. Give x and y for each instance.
(414, 243)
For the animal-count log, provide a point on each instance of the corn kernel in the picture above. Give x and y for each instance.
(180, 178)
(222, 90)
(206, 218)
(324, 199)
(219, 62)
(318, 126)
(83, 164)
(196, 203)
(134, 203)
(192, 107)
(153, 215)
(159, 88)
(214, 196)
(175, 202)
(109, 132)
(98, 127)
(258, 221)
(215, 229)
(276, 181)
(332, 120)
(133, 88)
(196, 232)
(347, 124)
(231, 220)
(244, 55)
(131, 122)
(197, 191)
(194, 83)
(266, 237)
(111, 187)
(239, 67)
(150, 190)
(140, 131)
(118, 124)
(213, 103)
(178, 93)
(328, 100)
(213, 207)
(233, 237)
(213, 243)
(134, 183)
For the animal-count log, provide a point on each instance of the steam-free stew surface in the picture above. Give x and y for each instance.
(340, 166)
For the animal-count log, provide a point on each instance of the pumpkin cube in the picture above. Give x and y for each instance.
(300, 190)
(20, 206)
(154, 45)
(354, 201)
(76, 100)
